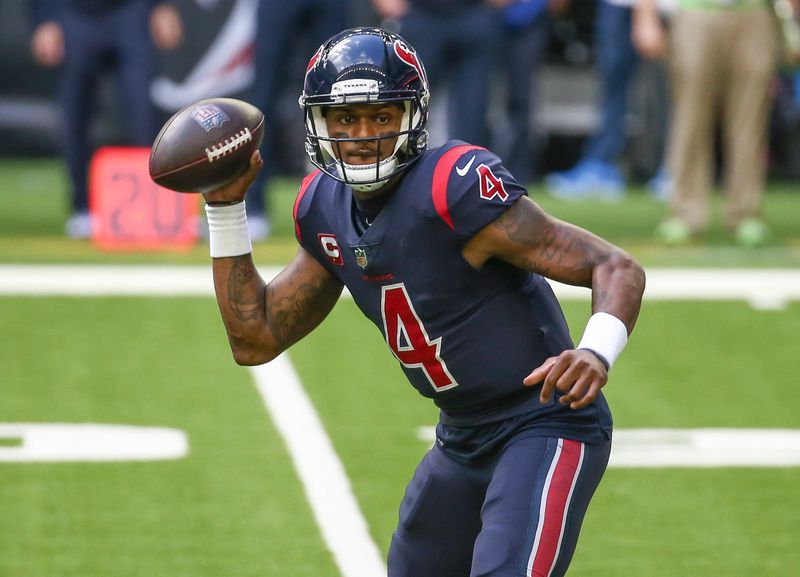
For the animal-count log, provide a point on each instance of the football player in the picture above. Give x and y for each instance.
(443, 250)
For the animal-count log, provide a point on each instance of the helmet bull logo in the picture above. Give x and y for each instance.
(408, 56)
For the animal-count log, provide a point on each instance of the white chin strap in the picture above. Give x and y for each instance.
(361, 177)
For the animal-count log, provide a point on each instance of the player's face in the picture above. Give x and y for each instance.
(367, 121)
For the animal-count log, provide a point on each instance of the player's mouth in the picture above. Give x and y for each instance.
(361, 157)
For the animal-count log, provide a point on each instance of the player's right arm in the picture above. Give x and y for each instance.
(264, 319)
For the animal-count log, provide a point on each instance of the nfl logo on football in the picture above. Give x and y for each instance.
(209, 116)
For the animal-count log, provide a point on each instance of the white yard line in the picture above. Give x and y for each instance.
(322, 474)
(89, 442)
(763, 288)
(106, 280)
(704, 448)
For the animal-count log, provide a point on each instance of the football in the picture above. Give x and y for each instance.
(206, 145)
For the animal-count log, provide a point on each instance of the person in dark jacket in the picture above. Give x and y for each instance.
(282, 27)
(85, 39)
(459, 41)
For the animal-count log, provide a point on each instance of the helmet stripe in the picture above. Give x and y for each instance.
(314, 59)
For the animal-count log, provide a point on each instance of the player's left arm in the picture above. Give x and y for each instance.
(529, 238)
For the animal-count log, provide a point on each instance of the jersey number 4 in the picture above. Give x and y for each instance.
(409, 340)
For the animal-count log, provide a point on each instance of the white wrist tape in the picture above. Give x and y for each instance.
(606, 335)
(227, 230)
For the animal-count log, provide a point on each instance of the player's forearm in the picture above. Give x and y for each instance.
(241, 296)
(617, 287)
(578, 257)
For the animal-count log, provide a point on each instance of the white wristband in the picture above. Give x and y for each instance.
(227, 230)
(605, 335)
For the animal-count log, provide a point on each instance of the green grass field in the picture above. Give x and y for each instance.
(34, 205)
(235, 507)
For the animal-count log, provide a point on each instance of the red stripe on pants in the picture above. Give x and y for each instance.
(555, 503)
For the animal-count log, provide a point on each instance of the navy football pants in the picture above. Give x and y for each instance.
(517, 515)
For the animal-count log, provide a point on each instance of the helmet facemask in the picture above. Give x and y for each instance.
(325, 150)
(383, 71)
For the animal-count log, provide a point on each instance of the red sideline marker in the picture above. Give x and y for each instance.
(130, 212)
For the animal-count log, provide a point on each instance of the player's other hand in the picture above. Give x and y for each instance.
(237, 189)
(579, 374)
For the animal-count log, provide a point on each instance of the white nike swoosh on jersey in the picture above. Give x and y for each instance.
(463, 171)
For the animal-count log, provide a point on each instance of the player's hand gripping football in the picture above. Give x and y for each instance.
(576, 372)
(235, 190)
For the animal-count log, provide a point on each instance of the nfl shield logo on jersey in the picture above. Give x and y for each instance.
(209, 116)
(361, 257)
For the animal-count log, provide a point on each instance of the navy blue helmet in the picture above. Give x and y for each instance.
(357, 66)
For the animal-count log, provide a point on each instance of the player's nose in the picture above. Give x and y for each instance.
(363, 128)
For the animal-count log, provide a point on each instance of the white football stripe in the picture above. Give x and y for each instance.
(763, 288)
(321, 472)
(64, 442)
(706, 448)
(645, 448)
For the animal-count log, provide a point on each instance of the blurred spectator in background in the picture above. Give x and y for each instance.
(86, 39)
(722, 58)
(526, 32)
(458, 41)
(281, 24)
(596, 173)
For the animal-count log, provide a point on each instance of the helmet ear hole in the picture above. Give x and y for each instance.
(422, 142)
(365, 65)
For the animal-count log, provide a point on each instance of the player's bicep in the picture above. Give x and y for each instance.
(299, 299)
(529, 238)
(262, 320)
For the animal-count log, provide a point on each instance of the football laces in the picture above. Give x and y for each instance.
(217, 151)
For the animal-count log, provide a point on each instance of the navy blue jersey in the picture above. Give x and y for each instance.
(465, 338)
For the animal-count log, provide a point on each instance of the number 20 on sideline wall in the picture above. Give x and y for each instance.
(131, 212)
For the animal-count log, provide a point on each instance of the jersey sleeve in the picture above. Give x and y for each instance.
(302, 203)
(322, 246)
(472, 188)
